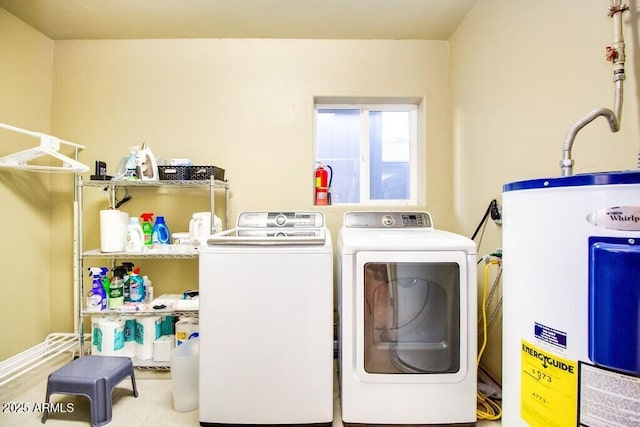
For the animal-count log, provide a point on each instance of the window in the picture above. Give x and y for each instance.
(372, 151)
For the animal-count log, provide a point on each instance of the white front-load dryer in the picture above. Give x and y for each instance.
(407, 307)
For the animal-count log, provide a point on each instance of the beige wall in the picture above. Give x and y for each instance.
(500, 97)
(522, 73)
(25, 85)
(244, 105)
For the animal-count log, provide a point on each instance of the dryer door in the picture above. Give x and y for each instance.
(412, 316)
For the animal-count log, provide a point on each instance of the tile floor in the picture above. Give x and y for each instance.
(153, 407)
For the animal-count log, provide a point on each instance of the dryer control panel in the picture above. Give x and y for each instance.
(388, 220)
(280, 220)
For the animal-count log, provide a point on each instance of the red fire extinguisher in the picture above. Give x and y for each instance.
(322, 190)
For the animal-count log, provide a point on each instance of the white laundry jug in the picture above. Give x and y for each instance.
(199, 227)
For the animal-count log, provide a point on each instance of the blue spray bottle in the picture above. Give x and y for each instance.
(97, 297)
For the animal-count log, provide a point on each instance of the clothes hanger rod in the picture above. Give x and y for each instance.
(38, 135)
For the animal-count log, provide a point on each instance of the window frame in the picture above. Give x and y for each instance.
(416, 146)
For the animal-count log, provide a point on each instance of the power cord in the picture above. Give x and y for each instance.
(124, 200)
(494, 210)
(120, 202)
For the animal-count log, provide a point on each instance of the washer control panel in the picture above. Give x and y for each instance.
(388, 220)
(280, 220)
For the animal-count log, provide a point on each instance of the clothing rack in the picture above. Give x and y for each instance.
(49, 146)
(55, 344)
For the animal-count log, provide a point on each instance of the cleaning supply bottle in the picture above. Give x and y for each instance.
(134, 240)
(106, 282)
(148, 289)
(147, 227)
(116, 290)
(160, 232)
(136, 286)
(96, 299)
(130, 172)
(128, 268)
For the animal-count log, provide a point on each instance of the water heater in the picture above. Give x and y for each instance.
(571, 288)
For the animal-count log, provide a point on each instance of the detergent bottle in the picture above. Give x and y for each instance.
(116, 290)
(96, 299)
(161, 232)
(134, 240)
(136, 286)
(147, 227)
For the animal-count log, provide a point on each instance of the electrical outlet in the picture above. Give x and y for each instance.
(496, 212)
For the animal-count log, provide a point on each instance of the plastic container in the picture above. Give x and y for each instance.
(131, 167)
(136, 287)
(184, 375)
(148, 289)
(161, 232)
(147, 227)
(187, 328)
(134, 241)
(128, 267)
(97, 297)
(116, 289)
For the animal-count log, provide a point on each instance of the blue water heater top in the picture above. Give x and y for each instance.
(601, 178)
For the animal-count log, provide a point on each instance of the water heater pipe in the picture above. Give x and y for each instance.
(616, 55)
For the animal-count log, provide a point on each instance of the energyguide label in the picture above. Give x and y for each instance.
(548, 388)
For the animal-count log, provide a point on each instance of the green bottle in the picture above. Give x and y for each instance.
(106, 282)
(147, 227)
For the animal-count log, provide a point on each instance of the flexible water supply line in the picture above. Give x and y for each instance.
(616, 55)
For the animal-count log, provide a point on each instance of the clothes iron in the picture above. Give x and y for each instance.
(147, 169)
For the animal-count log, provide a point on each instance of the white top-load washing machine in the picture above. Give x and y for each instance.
(266, 321)
(407, 304)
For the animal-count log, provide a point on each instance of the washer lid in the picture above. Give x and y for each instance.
(603, 178)
(274, 228)
(269, 237)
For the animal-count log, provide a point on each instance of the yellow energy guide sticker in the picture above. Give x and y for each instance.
(549, 388)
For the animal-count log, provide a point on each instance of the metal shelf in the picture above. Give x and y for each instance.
(96, 253)
(143, 312)
(175, 252)
(155, 184)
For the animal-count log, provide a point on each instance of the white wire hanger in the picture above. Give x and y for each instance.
(49, 146)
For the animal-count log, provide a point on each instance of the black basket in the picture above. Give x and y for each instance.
(173, 173)
(201, 173)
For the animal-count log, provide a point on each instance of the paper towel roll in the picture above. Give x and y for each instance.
(147, 331)
(113, 229)
(96, 334)
(129, 336)
(108, 337)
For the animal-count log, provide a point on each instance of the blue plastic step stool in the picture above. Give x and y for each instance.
(93, 377)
